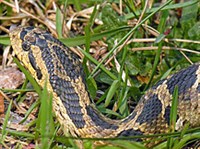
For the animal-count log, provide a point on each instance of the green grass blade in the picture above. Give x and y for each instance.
(111, 92)
(33, 106)
(28, 76)
(5, 40)
(45, 118)
(173, 112)
(20, 134)
(17, 90)
(96, 62)
(76, 41)
(77, 4)
(23, 87)
(173, 116)
(92, 87)
(59, 22)
(4, 131)
(127, 144)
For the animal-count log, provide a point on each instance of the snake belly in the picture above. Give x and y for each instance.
(49, 61)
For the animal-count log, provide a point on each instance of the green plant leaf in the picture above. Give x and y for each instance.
(111, 92)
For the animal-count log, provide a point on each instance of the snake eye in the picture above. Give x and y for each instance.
(26, 46)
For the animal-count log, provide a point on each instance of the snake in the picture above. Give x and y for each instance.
(52, 63)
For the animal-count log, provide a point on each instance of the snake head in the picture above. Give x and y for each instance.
(27, 44)
(22, 38)
(43, 55)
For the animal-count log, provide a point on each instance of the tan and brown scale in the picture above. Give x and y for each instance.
(48, 59)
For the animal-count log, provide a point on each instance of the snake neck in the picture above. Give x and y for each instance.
(66, 77)
(83, 117)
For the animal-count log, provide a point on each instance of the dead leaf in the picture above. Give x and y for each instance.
(1, 106)
(11, 78)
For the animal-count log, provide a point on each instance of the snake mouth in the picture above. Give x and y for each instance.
(14, 37)
(17, 42)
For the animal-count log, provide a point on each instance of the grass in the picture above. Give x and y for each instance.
(118, 69)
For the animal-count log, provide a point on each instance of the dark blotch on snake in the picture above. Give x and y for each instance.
(34, 65)
(42, 43)
(96, 118)
(184, 80)
(25, 31)
(152, 108)
(22, 34)
(167, 114)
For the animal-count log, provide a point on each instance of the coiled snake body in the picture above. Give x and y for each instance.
(48, 60)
